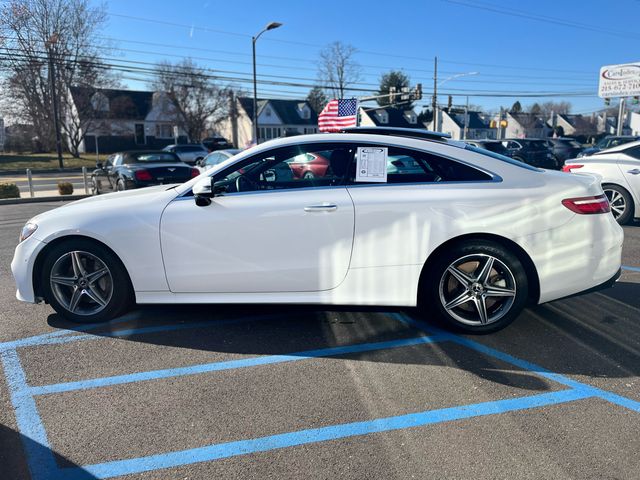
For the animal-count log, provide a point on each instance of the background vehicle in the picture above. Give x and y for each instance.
(309, 165)
(564, 148)
(216, 143)
(491, 145)
(464, 235)
(127, 170)
(188, 153)
(214, 158)
(607, 142)
(533, 151)
(620, 170)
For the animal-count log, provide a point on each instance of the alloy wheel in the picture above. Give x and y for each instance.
(617, 202)
(81, 282)
(477, 289)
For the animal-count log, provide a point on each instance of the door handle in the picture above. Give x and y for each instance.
(635, 171)
(326, 207)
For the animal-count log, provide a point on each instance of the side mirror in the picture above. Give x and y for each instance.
(202, 191)
(100, 165)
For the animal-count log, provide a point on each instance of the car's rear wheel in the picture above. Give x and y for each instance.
(476, 286)
(620, 201)
(308, 176)
(121, 185)
(95, 189)
(85, 282)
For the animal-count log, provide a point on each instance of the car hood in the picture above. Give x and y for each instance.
(83, 215)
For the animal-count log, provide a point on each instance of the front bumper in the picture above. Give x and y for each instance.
(24, 259)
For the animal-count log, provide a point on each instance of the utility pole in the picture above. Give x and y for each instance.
(500, 125)
(435, 94)
(54, 96)
(466, 120)
(233, 112)
(620, 116)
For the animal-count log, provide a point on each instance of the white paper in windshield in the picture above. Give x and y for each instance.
(371, 164)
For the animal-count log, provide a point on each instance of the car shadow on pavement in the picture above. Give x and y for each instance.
(12, 459)
(233, 330)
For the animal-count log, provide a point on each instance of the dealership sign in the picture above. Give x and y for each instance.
(619, 80)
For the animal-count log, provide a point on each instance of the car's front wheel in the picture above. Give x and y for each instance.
(85, 282)
(476, 286)
(620, 201)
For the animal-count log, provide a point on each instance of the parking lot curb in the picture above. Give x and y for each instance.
(57, 198)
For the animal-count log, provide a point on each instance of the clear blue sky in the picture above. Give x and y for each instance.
(540, 46)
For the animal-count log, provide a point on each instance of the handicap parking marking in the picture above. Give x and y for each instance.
(524, 364)
(631, 269)
(42, 463)
(229, 365)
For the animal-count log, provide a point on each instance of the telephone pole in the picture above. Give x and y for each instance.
(54, 97)
(435, 94)
(620, 116)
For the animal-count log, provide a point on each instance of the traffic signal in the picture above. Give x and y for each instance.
(636, 100)
(418, 92)
(450, 103)
(392, 94)
(607, 102)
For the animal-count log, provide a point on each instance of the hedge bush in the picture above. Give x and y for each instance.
(65, 188)
(9, 190)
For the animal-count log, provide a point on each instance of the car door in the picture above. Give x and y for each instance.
(265, 231)
(629, 164)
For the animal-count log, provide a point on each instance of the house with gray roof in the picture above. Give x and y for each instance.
(453, 122)
(276, 118)
(388, 117)
(114, 120)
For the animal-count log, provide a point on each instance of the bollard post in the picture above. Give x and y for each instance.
(30, 181)
(84, 178)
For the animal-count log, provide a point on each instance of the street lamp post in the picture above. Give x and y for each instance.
(270, 26)
(439, 84)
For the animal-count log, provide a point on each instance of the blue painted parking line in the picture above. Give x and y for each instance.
(42, 462)
(324, 434)
(229, 365)
(631, 269)
(523, 364)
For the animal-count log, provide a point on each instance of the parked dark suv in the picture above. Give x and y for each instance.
(494, 146)
(608, 142)
(533, 151)
(564, 148)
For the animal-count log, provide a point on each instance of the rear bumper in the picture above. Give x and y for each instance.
(603, 286)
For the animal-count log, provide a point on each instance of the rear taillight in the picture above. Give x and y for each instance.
(588, 205)
(194, 172)
(143, 175)
(568, 168)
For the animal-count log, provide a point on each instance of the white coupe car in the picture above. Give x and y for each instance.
(471, 236)
(619, 168)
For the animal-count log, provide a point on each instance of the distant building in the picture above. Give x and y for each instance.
(453, 122)
(388, 117)
(122, 119)
(276, 118)
(525, 125)
(634, 123)
(573, 124)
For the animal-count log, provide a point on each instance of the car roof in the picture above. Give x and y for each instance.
(619, 148)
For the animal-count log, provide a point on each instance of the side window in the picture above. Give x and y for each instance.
(410, 166)
(300, 166)
(213, 159)
(633, 152)
(109, 162)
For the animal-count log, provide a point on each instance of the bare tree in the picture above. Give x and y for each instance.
(317, 99)
(337, 69)
(200, 103)
(36, 33)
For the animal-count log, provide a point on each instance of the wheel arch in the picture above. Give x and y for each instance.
(39, 262)
(527, 263)
(635, 206)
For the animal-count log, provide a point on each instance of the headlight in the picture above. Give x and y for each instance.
(27, 231)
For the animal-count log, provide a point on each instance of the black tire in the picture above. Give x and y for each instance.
(308, 176)
(502, 295)
(116, 279)
(95, 190)
(622, 205)
(121, 185)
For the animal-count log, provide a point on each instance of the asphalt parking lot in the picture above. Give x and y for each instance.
(291, 392)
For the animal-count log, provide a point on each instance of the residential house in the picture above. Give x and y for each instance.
(525, 125)
(573, 124)
(276, 118)
(453, 122)
(112, 120)
(388, 117)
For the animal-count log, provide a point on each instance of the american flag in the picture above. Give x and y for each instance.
(338, 114)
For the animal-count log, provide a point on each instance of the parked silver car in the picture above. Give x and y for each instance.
(188, 153)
